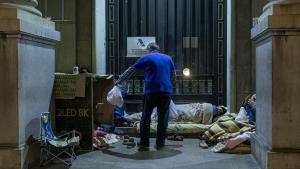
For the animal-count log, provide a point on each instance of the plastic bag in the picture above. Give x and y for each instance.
(173, 114)
(114, 97)
(173, 110)
(242, 116)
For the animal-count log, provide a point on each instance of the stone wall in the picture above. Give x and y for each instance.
(66, 24)
(84, 33)
(241, 58)
(75, 22)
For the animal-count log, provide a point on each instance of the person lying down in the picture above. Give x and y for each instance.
(202, 113)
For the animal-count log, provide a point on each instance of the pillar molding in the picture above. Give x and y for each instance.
(27, 5)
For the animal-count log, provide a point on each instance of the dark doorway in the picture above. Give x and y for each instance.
(193, 32)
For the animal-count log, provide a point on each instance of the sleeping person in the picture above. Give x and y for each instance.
(202, 113)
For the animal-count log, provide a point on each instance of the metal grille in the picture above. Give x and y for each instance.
(191, 31)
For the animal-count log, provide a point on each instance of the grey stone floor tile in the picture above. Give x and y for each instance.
(176, 155)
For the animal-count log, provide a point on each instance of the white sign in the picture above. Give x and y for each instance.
(137, 46)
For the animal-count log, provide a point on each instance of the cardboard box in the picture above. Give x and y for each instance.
(74, 106)
(76, 100)
(103, 110)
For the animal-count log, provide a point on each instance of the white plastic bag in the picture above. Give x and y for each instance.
(173, 114)
(242, 116)
(114, 97)
(173, 111)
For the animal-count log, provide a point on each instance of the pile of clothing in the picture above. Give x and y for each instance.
(227, 133)
(232, 130)
(103, 140)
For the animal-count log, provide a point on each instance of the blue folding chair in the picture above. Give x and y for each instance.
(53, 147)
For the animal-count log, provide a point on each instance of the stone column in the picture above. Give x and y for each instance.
(276, 144)
(27, 54)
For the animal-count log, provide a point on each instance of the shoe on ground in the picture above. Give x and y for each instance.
(203, 144)
(131, 145)
(129, 142)
(143, 148)
(125, 141)
(219, 148)
(131, 139)
(159, 147)
(175, 138)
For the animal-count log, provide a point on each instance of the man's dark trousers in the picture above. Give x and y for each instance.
(162, 102)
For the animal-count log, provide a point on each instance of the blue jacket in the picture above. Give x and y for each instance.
(158, 69)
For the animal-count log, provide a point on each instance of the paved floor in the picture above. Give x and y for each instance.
(177, 155)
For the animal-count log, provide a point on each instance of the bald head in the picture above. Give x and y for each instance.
(152, 47)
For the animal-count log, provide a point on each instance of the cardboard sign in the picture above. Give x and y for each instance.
(69, 86)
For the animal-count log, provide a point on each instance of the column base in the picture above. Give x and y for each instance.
(274, 159)
(24, 157)
(10, 158)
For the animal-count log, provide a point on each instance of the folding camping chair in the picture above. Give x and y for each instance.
(53, 147)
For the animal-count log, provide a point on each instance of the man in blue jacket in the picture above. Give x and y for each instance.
(158, 70)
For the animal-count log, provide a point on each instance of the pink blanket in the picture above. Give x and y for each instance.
(234, 142)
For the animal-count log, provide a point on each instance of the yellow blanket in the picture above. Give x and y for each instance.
(179, 128)
(226, 127)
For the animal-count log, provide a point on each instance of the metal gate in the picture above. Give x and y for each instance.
(192, 31)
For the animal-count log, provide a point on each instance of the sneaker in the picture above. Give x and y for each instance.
(203, 144)
(130, 145)
(125, 141)
(126, 137)
(219, 148)
(129, 142)
(131, 139)
(175, 138)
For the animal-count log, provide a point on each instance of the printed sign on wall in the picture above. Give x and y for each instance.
(137, 46)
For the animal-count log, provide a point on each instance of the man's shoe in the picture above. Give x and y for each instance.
(159, 147)
(126, 137)
(143, 148)
(129, 142)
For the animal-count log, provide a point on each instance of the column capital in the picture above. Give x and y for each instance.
(27, 5)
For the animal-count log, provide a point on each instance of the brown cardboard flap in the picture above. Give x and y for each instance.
(104, 113)
(80, 86)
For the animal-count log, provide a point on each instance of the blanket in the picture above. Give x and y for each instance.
(178, 128)
(199, 113)
(227, 127)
